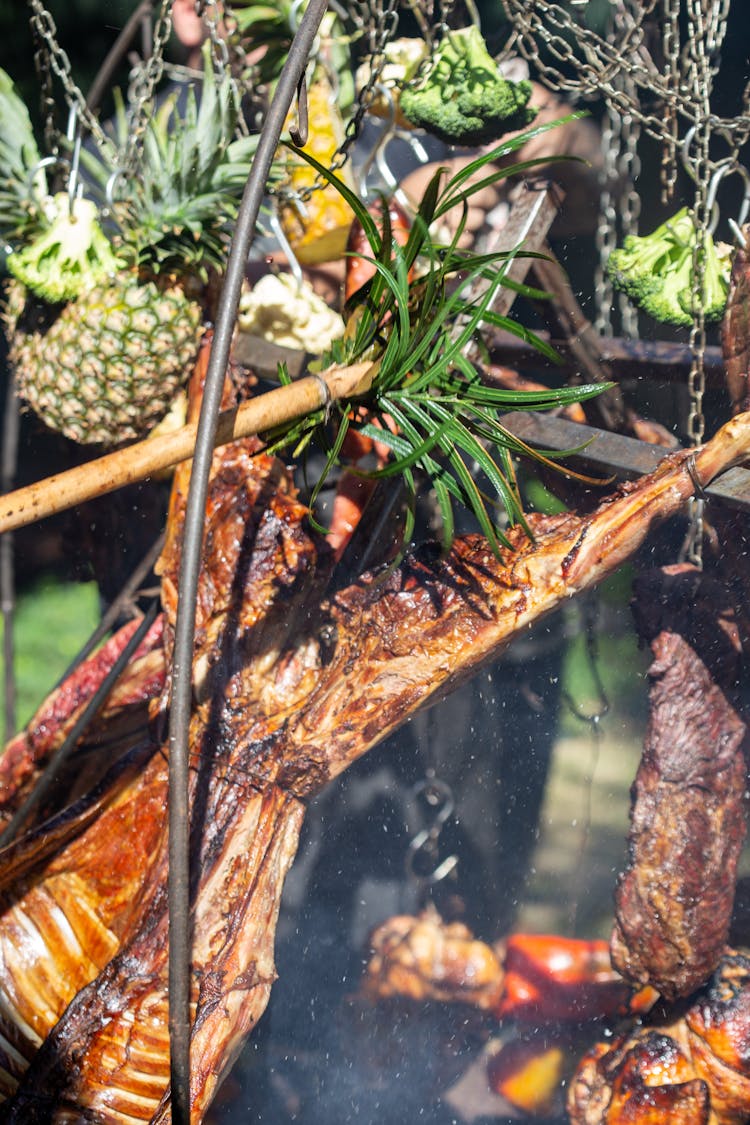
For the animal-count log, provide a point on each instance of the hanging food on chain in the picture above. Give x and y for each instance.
(105, 308)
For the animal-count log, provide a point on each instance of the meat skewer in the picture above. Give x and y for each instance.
(289, 691)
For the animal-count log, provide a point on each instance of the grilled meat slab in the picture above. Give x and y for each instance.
(674, 901)
(289, 690)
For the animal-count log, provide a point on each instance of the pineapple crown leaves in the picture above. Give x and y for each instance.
(68, 259)
(427, 403)
(23, 183)
(177, 205)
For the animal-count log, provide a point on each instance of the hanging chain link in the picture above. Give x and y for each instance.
(620, 203)
(54, 60)
(144, 79)
(606, 228)
(671, 49)
(630, 203)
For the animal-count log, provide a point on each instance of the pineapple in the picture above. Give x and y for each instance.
(103, 364)
(318, 229)
(317, 225)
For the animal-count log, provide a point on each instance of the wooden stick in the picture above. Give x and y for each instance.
(136, 462)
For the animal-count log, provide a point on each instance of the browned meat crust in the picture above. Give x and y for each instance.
(688, 1065)
(287, 695)
(674, 901)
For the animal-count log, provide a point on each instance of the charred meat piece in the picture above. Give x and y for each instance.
(689, 1065)
(674, 900)
(425, 958)
(639, 1079)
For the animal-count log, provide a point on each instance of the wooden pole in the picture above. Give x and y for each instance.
(137, 462)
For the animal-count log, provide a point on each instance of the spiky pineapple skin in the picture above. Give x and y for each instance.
(103, 369)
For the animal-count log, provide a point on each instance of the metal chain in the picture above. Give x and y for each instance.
(379, 21)
(701, 71)
(606, 228)
(57, 61)
(620, 203)
(671, 49)
(629, 169)
(582, 63)
(43, 69)
(144, 79)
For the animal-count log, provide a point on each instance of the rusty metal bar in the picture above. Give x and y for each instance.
(661, 360)
(180, 937)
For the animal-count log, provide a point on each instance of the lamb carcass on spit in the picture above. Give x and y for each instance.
(289, 690)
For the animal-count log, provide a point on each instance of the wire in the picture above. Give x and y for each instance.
(179, 715)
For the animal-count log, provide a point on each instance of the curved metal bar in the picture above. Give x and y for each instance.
(63, 752)
(116, 54)
(8, 466)
(179, 716)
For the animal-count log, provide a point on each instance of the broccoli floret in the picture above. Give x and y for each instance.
(656, 272)
(70, 257)
(464, 99)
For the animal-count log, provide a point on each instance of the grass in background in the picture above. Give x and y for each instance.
(53, 619)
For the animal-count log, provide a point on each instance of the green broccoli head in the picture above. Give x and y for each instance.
(72, 256)
(656, 272)
(463, 99)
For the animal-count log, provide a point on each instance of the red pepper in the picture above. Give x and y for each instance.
(556, 978)
(358, 270)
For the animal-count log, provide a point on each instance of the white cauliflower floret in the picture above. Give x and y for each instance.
(292, 316)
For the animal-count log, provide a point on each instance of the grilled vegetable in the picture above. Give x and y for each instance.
(463, 98)
(317, 225)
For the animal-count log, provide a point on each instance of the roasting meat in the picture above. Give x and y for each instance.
(529, 978)
(688, 1066)
(288, 691)
(674, 901)
(125, 710)
(425, 958)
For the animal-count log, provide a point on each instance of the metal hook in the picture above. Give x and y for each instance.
(109, 190)
(726, 168)
(300, 129)
(436, 793)
(377, 154)
(45, 162)
(73, 135)
(687, 140)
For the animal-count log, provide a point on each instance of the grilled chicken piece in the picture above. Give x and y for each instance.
(289, 691)
(425, 958)
(674, 901)
(687, 1065)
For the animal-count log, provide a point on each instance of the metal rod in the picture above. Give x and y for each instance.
(11, 425)
(63, 752)
(179, 716)
(116, 54)
(627, 359)
(115, 607)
